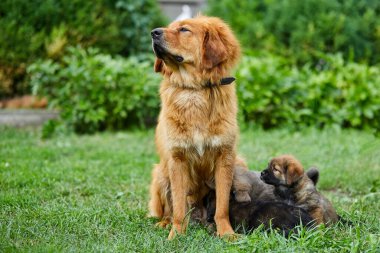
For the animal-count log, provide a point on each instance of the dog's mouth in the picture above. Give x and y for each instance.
(162, 52)
(159, 50)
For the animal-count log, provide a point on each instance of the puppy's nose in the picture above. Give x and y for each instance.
(157, 33)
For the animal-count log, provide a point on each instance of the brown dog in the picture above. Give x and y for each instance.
(197, 128)
(287, 175)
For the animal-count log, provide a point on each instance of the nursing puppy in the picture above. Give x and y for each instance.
(197, 128)
(291, 183)
(261, 206)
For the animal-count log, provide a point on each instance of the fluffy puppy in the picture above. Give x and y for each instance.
(261, 206)
(197, 127)
(291, 183)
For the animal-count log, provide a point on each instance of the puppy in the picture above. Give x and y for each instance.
(197, 128)
(287, 175)
(261, 206)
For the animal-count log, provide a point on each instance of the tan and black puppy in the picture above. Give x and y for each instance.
(287, 175)
(253, 203)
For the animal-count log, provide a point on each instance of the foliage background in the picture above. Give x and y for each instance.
(31, 30)
(302, 29)
(306, 63)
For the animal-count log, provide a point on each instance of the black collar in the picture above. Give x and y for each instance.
(223, 81)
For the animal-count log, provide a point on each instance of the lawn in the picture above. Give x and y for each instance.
(90, 193)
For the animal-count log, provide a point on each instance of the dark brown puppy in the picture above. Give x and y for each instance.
(253, 203)
(247, 216)
(291, 183)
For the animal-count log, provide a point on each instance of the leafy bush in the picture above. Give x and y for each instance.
(273, 92)
(94, 91)
(30, 29)
(43, 28)
(300, 29)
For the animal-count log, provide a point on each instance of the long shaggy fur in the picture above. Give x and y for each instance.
(197, 128)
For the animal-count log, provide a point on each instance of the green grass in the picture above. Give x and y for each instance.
(90, 193)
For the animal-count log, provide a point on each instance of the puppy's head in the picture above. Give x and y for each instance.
(284, 170)
(195, 50)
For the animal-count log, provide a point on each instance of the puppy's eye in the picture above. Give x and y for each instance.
(184, 29)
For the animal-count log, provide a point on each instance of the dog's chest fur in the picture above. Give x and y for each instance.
(196, 119)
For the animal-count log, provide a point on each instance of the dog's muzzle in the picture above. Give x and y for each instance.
(157, 33)
(264, 174)
(159, 45)
(157, 42)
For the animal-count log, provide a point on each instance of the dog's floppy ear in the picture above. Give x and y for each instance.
(158, 65)
(313, 174)
(214, 51)
(293, 173)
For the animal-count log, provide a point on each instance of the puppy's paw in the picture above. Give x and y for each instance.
(242, 196)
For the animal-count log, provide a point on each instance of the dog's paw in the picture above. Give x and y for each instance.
(175, 231)
(172, 234)
(162, 224)
(230, 237)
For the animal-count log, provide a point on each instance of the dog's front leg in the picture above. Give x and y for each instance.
(223, 182)
(179, 187)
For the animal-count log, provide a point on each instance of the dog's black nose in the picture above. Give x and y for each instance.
(156, 33)
(263, 174)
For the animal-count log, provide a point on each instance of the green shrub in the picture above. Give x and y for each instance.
(299, 29)
(31, 28)
(274, 93)
(43, 28)
(97, 92)
(94, 91)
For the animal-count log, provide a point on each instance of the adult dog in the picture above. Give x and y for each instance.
(197, 127)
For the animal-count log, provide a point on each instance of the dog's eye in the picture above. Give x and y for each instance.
(184, 29)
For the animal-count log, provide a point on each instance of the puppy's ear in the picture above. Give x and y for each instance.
(294, 172)
(313, 174)
(158, 65)
(214, 51)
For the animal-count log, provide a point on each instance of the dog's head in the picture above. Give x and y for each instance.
(195, 50)
(284, 170)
